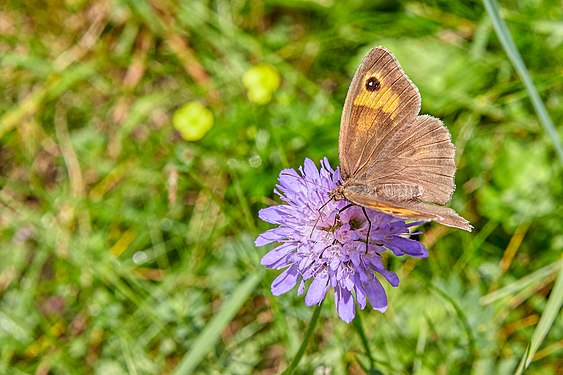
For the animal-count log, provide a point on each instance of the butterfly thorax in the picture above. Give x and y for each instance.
(337, 193)
(342, 191)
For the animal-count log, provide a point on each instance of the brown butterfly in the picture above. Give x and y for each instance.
(392, 159)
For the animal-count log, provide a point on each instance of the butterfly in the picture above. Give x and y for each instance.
(392, 159)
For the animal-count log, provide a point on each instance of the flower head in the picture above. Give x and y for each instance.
(324, 241)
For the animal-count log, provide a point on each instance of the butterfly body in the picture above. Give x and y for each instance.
(396, 192)
(391, 158)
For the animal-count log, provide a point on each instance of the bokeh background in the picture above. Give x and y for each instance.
(134, 159)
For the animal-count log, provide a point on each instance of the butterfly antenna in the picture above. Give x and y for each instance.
(318, 186)
(319, 216)
(308, 181)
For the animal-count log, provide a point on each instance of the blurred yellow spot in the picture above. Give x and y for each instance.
(193, 120)
(121, 245)
(261, 81)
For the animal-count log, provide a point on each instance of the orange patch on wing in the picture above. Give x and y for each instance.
(390, 102)
(384, 99)
(391, 210)
(365, 99)
(401, 212)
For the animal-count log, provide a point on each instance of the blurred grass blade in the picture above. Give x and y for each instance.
(210, 335)
(459, 311)
(551, 312)
(143, 10)
(522, 283)
(360, 329)
(57, 85)
(510, 48)
(363, 337)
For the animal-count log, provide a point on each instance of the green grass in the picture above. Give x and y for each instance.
(128, 249)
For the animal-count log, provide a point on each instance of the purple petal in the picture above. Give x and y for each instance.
(306, 262)
(276, 254)
(301, 288)
(375, 260)
(391, 277)
(271, 215)
(344, 304)
(348, 282)
(289, 181)
(332, 278)
(273, 235)
(360, 294)
(289, 173)
(326, 165)
(317, 290)
(400, 246)
(308, 273)
(337, 176)
(423, 251)
(285, 281)
(311, 171)
(355, 258)
(376, 295)
(334, 263)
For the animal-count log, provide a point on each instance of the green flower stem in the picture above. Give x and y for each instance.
(360, 329)
(314, 319)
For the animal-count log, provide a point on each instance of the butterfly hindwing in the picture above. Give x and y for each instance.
(421, 154)
(413, 210)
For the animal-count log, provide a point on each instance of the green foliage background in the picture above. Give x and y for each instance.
(126, 249)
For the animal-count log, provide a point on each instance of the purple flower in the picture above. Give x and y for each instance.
(326, 242)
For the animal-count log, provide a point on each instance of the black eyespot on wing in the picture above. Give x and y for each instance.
(372, 84)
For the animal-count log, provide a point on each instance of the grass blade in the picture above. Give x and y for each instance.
(361, 332)
(522, 283)
(210, 335)
(57, 86)
(516, 59)
(551, 312)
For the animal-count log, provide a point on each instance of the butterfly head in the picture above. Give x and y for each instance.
(337, 193)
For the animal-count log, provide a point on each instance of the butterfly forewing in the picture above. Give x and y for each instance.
(380, 98)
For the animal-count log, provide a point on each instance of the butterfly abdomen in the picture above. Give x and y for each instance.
(389, 192)
(399, 192)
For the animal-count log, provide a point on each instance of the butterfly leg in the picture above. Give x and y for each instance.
(319, 217)
(332, 244)
(369, 228)
(341, 210)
